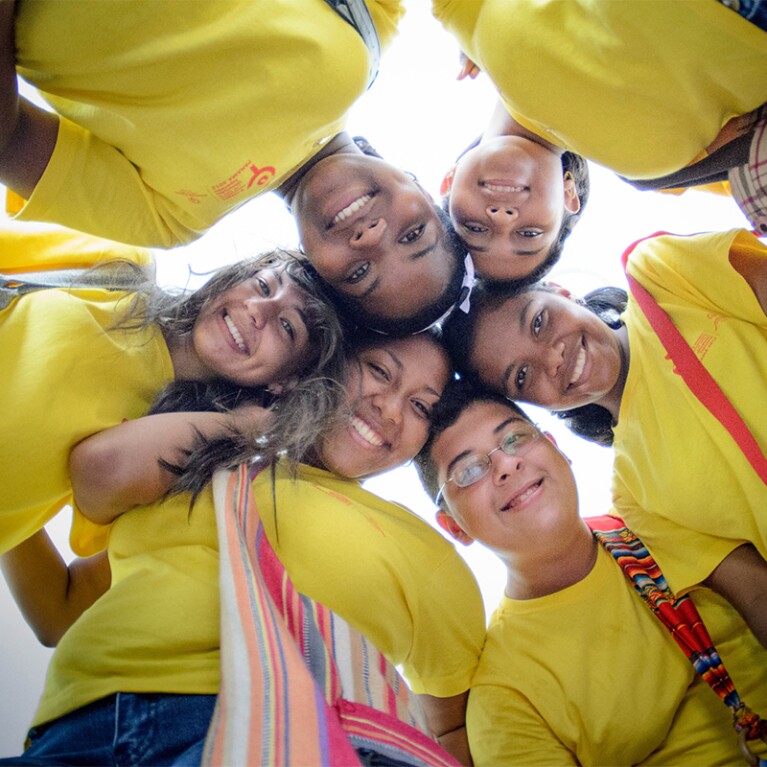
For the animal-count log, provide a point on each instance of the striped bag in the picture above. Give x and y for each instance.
(299, 685)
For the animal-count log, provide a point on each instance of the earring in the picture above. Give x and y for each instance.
(447, 182)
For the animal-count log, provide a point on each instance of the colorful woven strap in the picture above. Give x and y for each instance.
(680, 616)
(299, 685)
(698, 379)
(269, 710)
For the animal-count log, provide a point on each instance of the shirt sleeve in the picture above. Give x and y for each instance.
(696, 271)
(505, 729)
(448, 630)
(91, 186)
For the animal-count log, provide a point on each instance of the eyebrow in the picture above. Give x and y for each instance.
(522, 325)
(425, 251)
(528, 252)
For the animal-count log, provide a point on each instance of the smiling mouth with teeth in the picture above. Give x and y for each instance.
(370, 436)
(236, 337)
(351, 209)
(504, 188)
(579, 363)
(523, 496)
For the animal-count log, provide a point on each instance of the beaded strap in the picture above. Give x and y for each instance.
(680, 616)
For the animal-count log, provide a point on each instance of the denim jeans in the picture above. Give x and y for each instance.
(124, 729)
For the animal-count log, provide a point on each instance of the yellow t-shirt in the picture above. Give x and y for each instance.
(413, 596)
(157, 628)
(179, 112)
(67, 375)
(380, 567)
(680, 481)
(640, 87)
(31, 247)
(589, 676)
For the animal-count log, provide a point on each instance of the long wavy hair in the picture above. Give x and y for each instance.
(299, 414)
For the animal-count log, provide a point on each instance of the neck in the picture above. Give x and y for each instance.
(186, 364)
(568, 560)
(341, 143)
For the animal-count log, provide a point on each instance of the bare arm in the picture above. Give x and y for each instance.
(752, 266)
(446, 718)
(27, 133)
(503, 124)
(116, 469)
(741, 579)
(50, 594)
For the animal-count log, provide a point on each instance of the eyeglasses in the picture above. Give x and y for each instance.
(472, 468)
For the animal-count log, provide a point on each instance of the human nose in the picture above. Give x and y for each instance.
(261, 310)
(501, 213)
(389, 405)
(503, 465)
(368, 233)
(554, 358)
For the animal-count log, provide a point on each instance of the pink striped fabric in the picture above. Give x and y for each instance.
(299, 685)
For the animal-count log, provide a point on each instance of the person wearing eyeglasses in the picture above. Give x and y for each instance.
(575, 669)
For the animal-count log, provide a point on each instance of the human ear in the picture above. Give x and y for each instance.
(452, 528)
(572, 201)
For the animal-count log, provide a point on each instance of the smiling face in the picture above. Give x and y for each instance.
(390, 395)
(522, 499)
(507, 202)
(543, 348)
(254, 333)
(373, 234)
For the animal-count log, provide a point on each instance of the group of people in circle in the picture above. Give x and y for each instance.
(406, 328)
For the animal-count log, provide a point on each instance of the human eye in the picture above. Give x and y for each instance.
(521, 377)
(537, 323)
(287, 326)
(470, 226)
(528, 233)
(263, 286)
(469, 472)
(514, 441)
(413, 234)
(358, 273)
(379, 372)
(422, 409)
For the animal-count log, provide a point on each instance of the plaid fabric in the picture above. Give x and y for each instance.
(749, 182)
(298, 684)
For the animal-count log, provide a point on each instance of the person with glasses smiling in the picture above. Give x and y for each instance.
(575, 669)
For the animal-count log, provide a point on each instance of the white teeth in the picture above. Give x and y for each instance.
(366, 432)
(235, 334)
(523, 496)
(503, 188)
(360, 202)
(579, 363)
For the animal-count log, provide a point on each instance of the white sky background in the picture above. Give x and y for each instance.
(420, 118)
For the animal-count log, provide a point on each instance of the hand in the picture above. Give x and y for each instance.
(251, 419)
(468, 68)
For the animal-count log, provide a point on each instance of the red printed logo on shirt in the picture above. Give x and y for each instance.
(243, 179)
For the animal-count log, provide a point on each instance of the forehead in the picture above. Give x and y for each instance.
(501, 260)
(416, 357)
